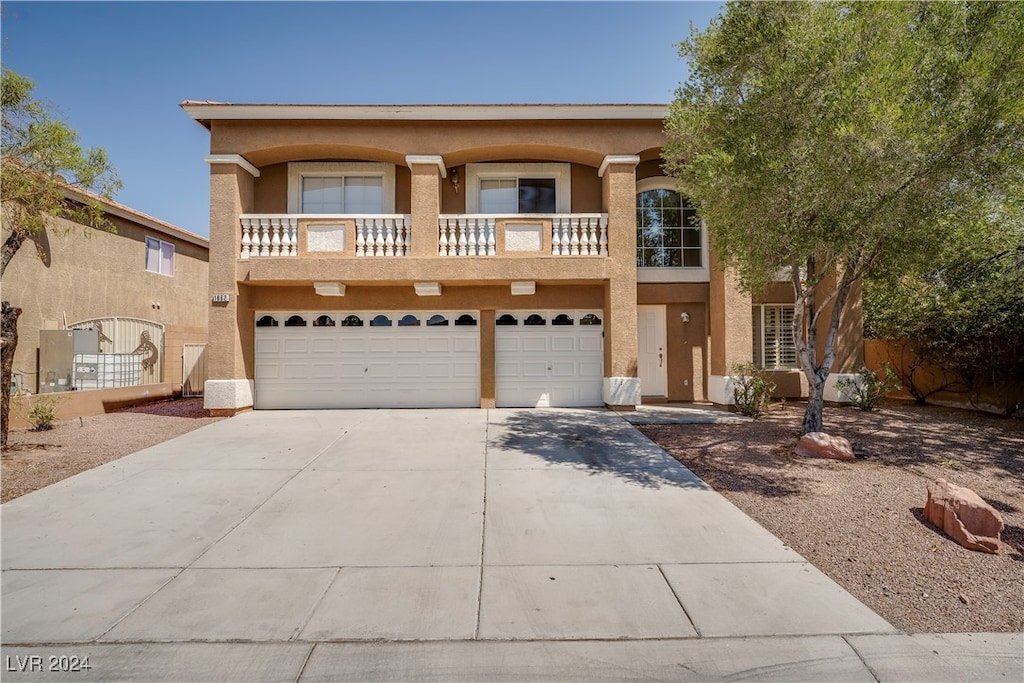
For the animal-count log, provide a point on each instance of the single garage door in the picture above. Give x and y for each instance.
(369, 359)
(548, 358)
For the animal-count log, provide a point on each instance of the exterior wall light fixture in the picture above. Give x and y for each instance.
(685, 316)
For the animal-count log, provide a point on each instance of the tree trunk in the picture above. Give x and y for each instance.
(813, 416)
(10, 247)
(9, 332)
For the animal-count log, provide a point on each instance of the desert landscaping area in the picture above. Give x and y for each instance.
(862, 522)
(859, 522)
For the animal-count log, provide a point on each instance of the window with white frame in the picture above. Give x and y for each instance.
(518, 188)
(774, 344)
(668, 231)
(341, 188)
(159, 256)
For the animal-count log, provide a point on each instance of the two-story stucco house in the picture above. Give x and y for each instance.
(467, 255)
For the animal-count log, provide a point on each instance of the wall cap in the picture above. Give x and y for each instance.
(236, 159)
(617, 159)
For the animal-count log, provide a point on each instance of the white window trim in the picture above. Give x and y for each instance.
(760, 309)
(562, 174)
(297, 170)
(690, 274)
(174, 251)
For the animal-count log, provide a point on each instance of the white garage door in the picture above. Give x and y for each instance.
(548, 358)
(374, 359)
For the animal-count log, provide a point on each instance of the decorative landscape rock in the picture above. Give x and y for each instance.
(821, 445)
(964, 516)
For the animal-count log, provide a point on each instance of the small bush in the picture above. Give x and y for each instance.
(751, 389)
(43, 412)
(866, 390)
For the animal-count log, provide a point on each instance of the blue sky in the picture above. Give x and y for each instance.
(118, 70)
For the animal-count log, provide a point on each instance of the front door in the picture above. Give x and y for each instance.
(651, 350)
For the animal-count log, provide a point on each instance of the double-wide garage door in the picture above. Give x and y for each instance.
(367, 360)
(389, 359)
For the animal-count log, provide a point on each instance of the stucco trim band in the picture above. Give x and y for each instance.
(229, 394)
(631, 159)
(236, 159)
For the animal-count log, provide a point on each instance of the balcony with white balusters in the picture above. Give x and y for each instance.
(264, 235)
(523, 235)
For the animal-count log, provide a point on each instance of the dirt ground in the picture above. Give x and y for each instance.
(861, 522)
(38, 459)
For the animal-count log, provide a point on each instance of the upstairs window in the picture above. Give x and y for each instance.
(774, 345)
(517, 195)
(159, 256)
(668, 232)
(518, 188)
(342, 194)
(341, 187)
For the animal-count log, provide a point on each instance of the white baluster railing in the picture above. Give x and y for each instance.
(278, 234)
(574, 234)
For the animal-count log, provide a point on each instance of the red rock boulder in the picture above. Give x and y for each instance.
(821, 445)
(964, 516)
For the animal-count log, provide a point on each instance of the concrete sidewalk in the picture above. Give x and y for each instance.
(430, 545)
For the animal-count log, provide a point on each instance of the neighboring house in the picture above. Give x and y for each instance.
(142, 286)
(468, 255)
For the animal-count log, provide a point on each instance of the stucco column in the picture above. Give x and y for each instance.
(229, 353)
(731, 331)
(427, 171)
(621, 385)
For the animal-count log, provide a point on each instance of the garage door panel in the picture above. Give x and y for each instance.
(591, 343)
(295, 345)
(327, 346)
(268, 345)
(566, 344)
(534, 343)
(466, 344)
(565, 368)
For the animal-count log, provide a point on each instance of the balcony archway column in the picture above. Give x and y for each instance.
(427, 171)
(621, 383)
(229, 388)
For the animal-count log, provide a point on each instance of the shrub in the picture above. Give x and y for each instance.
(751, 389)
(866, 390)
(43, 412)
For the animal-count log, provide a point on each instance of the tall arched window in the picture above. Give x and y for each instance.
(668, 232)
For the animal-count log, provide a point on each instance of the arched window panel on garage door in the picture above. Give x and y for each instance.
(295, 321)
(408, 321)
(380, 321)
(267, 321)
(323, 321)
(437, 320)
(466, 320)
(352, 321)
(506, 319)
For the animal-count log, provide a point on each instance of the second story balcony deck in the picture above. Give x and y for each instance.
(392, 235)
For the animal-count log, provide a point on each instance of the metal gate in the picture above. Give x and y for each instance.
(193, 369)
(131, 335)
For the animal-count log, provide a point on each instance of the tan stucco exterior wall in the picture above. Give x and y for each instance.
(230, 354)
(73, 273)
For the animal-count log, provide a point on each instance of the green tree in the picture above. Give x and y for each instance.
(42, 160)
(829, 138)
(961, 315)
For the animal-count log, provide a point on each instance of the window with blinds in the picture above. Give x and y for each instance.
(774, 345)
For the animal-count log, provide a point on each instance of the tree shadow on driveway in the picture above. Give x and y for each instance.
(593, 441)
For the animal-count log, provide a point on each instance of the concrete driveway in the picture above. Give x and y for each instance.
(426, 545)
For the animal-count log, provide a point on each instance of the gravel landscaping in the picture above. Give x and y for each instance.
(861, 522)
(38, 459)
